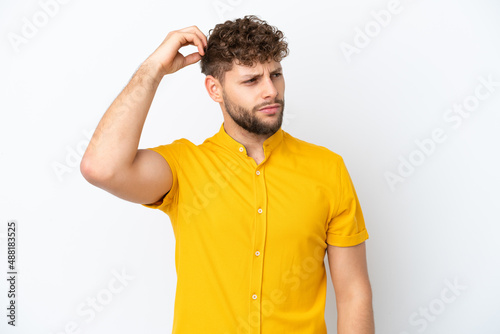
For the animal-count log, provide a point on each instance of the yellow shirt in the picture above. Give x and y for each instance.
(251, 239)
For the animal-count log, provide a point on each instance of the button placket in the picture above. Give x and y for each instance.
(258, 249)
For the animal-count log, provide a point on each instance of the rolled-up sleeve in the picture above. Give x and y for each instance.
(347, 227)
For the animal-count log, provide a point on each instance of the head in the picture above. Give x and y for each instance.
(242, 64)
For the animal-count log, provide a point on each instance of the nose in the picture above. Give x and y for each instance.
(269, 89)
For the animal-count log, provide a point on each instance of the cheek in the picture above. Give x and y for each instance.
(246, 99)
(281, 87)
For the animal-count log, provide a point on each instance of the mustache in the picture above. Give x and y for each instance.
(265, 104)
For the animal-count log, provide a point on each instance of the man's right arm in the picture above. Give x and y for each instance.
(112, 160)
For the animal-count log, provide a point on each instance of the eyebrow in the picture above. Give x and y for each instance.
(255, 75)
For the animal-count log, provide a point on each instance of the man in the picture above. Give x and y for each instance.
(253, 209)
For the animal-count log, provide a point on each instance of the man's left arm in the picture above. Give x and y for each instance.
(349, 272)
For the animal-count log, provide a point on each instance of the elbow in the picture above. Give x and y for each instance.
(94, 173)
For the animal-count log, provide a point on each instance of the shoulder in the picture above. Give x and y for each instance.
(173, 149)
(312, 151)
(183, 144)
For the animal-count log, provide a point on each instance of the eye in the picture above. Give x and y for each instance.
(250, 81)
(277, 75)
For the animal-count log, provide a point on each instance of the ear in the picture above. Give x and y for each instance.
(214, 88)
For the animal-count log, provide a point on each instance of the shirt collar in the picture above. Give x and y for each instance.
(222, 138)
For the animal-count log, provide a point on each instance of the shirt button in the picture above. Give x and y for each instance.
(257, 172)
(241, 149)
(260, 210)
(257, 253)
(254, 296)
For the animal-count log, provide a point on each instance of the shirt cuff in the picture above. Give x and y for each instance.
(347, 240)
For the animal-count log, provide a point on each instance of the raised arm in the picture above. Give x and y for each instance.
(112, 160)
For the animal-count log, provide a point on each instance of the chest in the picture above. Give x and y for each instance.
(275, 202)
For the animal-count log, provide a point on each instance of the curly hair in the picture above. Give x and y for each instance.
(243, 41)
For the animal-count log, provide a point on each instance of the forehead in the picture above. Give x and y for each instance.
(256, 69)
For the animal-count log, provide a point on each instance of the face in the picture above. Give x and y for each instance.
(254, 97)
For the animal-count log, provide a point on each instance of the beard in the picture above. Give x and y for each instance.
(249, 120)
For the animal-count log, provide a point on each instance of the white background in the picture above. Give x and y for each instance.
(437, 224)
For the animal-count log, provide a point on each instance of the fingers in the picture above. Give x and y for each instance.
(189, 38)
(192, 58)
(167, 54)
(183, 38)
(197, 31)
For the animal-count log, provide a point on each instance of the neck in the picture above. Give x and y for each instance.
(252, 142)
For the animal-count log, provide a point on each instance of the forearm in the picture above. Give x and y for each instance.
(116, 139)
(355, 316)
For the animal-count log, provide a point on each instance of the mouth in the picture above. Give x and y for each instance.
(270, 109)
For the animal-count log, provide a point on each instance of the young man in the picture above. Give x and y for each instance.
(253, 209)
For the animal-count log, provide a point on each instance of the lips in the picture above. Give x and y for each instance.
(271, 109)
